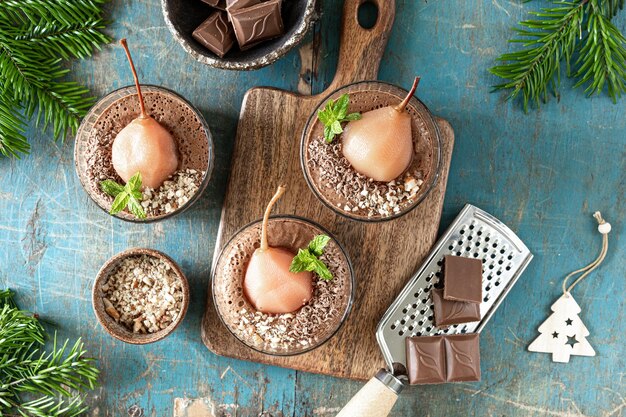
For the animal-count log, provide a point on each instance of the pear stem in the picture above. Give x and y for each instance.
(142, 106)
(266, 216)
(400, 108)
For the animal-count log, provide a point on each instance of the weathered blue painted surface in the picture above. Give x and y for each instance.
(542, 173)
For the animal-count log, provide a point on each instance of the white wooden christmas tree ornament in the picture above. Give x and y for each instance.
(563, 333)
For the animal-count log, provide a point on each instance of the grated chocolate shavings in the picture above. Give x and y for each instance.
(299, 329)
(357, 193)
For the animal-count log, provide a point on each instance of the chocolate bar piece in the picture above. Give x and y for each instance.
(216, 34)
(462, 279)
(446, 358)
(257, 23)
(232, 5)
(462, 357)
(425, 360)
(453, 312)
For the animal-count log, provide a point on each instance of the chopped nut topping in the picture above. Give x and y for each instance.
(357, 193)
(143, 293)
(175, 192)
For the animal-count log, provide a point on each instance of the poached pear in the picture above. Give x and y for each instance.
(268, 284)
(144, 145)
(380, 144)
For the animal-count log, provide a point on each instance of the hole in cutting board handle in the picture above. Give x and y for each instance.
(367, 14)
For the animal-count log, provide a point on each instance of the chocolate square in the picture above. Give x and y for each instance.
(425, 360)
(462, 357)
(453, 312)
(216, 34)
(257, 23)
(462, 279)
(232, 5)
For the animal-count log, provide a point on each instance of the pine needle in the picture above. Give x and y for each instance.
(34, 382)
(36, 36)
(578, 34)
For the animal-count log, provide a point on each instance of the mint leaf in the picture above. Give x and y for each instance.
(300, 261)
(321, 269)
(317, 245)
(135, 207)
(334, 114)
(120, 202)
(336, 127)
(111, 187)
(134, 183)
(353, 116)
(324, 117)
(341, 106)
(308, 259)
(126, 196)
(328, 134)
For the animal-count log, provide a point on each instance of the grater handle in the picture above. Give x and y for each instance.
(376, 398)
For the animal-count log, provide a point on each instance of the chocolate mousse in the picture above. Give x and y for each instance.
(109, 116)
(353, 194)
(289, 333)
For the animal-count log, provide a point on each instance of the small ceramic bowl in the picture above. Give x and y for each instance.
(183, 17)
(366, 96)
(113, 112)
(292, 233)
(119, 331)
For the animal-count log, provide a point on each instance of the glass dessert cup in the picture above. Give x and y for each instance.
(112, 113)
(325, 313)
(425, 166)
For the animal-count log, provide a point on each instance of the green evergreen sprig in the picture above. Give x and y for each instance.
(36, 37)
(577, 33)
(34, 383)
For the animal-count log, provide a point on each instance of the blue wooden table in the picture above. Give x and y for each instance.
(543, 173)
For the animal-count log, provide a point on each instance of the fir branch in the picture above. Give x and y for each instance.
(607, 46)
(536, 69)
(33, 382)
(576, 33)
(12, 141)
(35, 37)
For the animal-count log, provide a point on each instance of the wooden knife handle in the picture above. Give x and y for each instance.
(376, 398)
(360, 49)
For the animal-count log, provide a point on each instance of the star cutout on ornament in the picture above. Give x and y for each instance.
(568, 322)
(571, 340)
(555, 335)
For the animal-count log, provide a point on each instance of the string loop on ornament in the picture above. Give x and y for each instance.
(604, 228)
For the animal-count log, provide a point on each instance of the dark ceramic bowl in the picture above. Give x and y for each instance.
(183, 16)
(119, 331)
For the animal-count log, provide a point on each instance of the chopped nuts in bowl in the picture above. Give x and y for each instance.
(140, 296)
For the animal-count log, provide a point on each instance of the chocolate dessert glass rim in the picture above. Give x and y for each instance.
(352, 294)
(117, 330)
(244, 65)
(437, 172)
(146, 88)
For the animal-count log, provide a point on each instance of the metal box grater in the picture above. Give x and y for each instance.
(473, 234)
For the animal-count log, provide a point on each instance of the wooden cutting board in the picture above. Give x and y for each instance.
(384, 255)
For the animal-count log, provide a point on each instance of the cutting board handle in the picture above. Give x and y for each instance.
(360, 49)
